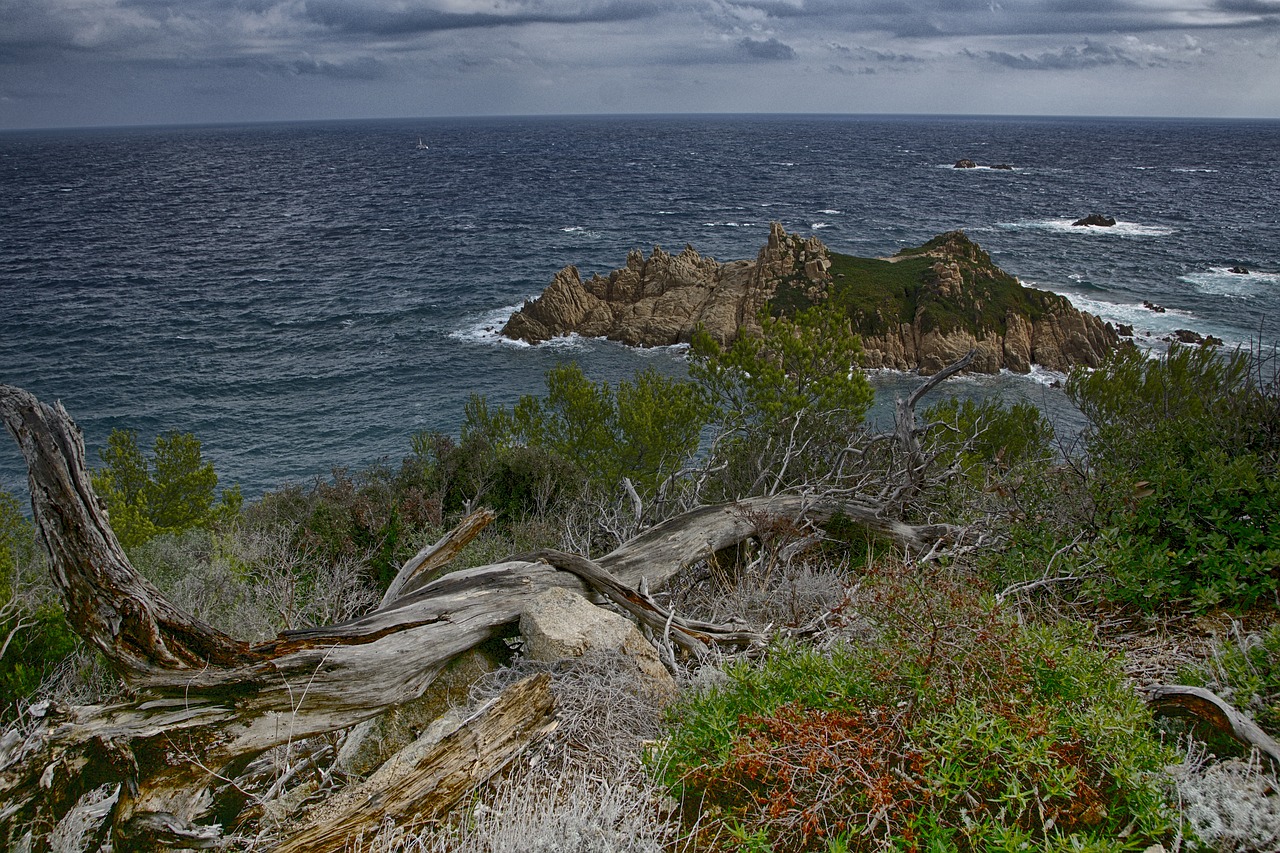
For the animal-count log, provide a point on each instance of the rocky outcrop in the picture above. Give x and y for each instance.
(1057, 341)
(1096, 220)
(660, 300)
(958, 300)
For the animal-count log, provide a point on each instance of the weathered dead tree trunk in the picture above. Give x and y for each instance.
(1206, 707)
(204, 704)
(424, 780)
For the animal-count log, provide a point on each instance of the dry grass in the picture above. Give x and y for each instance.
(583, 790)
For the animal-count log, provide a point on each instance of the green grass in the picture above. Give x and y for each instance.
(880, 295)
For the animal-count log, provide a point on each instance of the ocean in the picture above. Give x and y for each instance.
(307, 296)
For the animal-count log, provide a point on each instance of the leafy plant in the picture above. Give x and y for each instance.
(953, 728)
(1183, 457)
(786, 402)
(643, 429)
(169, 491)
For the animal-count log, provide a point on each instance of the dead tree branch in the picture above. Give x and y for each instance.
(1207, 707)
(205, 705)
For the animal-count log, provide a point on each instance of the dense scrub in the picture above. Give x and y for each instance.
(958, 700)
(946, 725)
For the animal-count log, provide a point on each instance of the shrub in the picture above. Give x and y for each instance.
(644, 429)
(1183, 459)
(373, 516)
(785, 403)
(34, 634)
(953, 728)
(170, 491)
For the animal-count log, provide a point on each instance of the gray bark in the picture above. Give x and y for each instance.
(205, 704)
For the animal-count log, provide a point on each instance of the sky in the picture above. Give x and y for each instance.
(75, 63)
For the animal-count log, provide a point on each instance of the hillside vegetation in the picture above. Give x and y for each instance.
(983, 693)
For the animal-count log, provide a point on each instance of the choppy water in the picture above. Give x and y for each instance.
(304, 296)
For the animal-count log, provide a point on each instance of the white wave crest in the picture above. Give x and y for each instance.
(487, 328)
(1221, 281)
(1120, 229)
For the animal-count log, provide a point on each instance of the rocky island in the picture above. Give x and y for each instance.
(918, 310)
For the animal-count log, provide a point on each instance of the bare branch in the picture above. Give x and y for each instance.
(427, 563)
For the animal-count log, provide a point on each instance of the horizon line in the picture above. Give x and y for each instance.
(634, 116)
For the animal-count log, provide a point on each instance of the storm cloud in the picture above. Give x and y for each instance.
(71, 62)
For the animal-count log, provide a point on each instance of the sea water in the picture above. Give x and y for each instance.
(305, 296)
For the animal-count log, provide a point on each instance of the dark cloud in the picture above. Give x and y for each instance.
(315, 56)
(864, 71)
(868, 54)
(1072, 57)
(387, 19)
(768, 49)
(1269, 8)
(922, 19)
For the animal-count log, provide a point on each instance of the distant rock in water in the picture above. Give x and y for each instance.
(1096, 219)
(1186, 336)
(1151, 306)
(1239, 270)
(1003, 167)
(965, 164)
(919, 310)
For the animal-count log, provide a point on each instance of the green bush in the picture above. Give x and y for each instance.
(786, 404)
(644, 429)
(34, 634)
(987, 436)
(375, 516)
(954, 728)
(1183, 456)
(39, 640)
(169, 491)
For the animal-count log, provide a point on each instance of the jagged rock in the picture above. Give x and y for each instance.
(1004, 167)
(1124, 330)
(964, 301)
(1187, 336)
(1239, 270)
(1096, 219)
(560, 624)
(1151, 306)
(660, 300)
(965, 163)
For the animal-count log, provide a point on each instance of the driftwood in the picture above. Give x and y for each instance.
(422, 782)
(1205, 706)
(205, 704)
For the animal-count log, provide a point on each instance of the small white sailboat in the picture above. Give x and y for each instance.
(421, 146)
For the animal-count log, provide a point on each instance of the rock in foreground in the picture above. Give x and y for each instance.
(919, 310)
